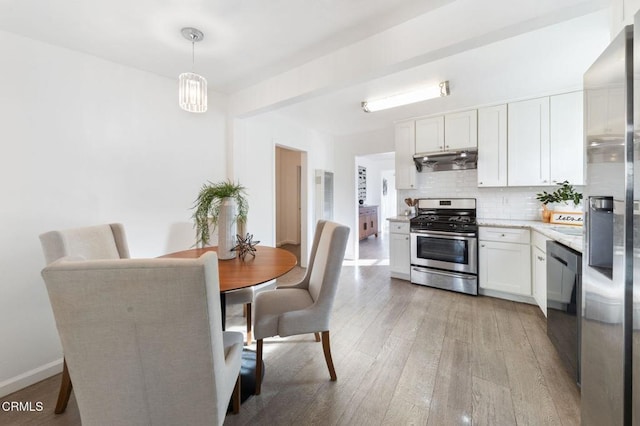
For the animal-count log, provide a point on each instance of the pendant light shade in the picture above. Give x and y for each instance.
(192, 91)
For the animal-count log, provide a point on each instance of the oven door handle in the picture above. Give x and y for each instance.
(444, 233)
(446, 274)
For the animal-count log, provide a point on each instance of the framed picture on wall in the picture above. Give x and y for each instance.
(362, 184)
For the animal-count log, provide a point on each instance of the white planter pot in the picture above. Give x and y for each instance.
(567, 207)
(227, 229)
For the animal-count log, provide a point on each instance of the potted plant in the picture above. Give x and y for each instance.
(562, 195)
(222, 205)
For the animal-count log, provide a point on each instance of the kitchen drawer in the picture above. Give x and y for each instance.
(399, 227)
(506, 235)
(539, 241)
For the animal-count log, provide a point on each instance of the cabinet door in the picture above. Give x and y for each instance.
(492, 146)
(566, 144)
(505, 267)
(430, 134)
(539, 277)
(461, 130)
(528, 142)
(405, 148)
(399, 253)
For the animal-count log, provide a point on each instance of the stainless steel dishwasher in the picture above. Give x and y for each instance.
(564, 304)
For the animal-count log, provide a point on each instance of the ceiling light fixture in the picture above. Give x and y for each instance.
(418, 95)
(192, 94)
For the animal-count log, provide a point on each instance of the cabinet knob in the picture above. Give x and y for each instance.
(479, 183)
(406, 238)
(544, 181)
(502, 235)
(540, 258)
(482, 245)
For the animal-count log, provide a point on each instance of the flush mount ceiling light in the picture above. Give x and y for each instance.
(192, 94)
(418, 95)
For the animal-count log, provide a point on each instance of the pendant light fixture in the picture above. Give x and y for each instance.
(192, 95)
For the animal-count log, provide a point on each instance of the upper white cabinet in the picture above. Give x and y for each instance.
(492, 146)
(461, 130)
(429, 135)
(405, 148)
(528, 142)
(566, 142)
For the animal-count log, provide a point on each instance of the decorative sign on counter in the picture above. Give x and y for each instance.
(567, 218)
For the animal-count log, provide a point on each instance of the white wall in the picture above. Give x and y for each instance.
(255, 140)
(86, 141)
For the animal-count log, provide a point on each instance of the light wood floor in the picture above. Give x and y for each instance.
(404, 354)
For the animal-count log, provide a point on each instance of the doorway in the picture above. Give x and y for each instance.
(289, 200)
(375, 186)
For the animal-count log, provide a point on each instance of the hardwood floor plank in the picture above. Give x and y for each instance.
(451, 402)
(492, 404)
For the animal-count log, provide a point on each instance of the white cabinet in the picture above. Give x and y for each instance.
(429, 134)
(566, 142)
(399, 250)
(539, 269)
(528, 142)
(505, 260)
(461, 130)
(492, 146)
(405, 148)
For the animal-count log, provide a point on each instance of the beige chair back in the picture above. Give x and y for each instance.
(91, 242)
(143, 339)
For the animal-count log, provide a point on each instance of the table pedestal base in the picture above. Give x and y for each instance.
(248, 374)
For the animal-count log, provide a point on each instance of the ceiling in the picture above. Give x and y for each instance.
(248, 41)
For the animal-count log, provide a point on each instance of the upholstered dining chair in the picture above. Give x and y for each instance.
(143, 339)
(304, 307)
(245, 297)
(92, 242)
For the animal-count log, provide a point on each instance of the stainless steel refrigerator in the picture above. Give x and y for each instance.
(610, 342)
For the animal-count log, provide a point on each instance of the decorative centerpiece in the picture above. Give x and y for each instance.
(222, 205)
(562, 206)
(245, 246)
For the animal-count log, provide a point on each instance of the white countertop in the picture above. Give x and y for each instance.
(546, 229)
(401, 218)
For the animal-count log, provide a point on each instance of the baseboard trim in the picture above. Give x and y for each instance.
(30, 377)
(507, 296)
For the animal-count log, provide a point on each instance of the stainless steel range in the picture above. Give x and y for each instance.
(444, 244)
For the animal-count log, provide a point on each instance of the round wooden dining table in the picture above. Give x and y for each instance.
(268, 264)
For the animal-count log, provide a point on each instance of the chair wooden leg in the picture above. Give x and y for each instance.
(317, 336)
(249, 333)
(235, 398)
(258, 365)
(327, 355)
(65, 390)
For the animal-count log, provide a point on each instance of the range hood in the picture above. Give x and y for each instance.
(448, 160)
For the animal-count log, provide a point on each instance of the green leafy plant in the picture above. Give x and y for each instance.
(565, 193)
(207, 206)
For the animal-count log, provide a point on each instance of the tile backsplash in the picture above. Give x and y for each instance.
(492, 203)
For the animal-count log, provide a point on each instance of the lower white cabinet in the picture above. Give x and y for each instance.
(399, 250)
(539, 269)
(505, 260)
